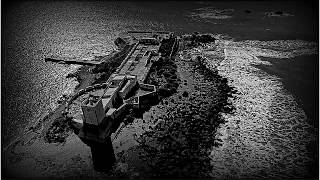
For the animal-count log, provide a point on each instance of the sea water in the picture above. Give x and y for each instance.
(82, 30)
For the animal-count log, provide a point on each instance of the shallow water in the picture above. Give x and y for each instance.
(268, 134)
(298, 74)
(35, 30)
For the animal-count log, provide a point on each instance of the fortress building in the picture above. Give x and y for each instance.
(125, 89)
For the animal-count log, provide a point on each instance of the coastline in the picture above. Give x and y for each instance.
(35, 135)
(268, 133)
(173, 127)
(303, 73)
(299, 74)
(142, 136)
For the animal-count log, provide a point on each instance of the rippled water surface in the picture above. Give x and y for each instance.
(268, 134)
(35, 30)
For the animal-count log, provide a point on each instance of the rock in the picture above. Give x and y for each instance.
(164, 92)
(120, 42)
(135, 175)
(185, 94)
(71, 75)
(197, 117)
(59, 101)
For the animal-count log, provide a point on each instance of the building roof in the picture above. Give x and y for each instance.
(119, 77)
(110, 91)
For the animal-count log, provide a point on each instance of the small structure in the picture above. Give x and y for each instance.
(130, 84)
(93, 110)
(149, 41)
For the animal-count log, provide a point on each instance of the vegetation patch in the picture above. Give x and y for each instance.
(166, 47)
(58, 131)
(196, 39)
(163, 73)
(81, 74)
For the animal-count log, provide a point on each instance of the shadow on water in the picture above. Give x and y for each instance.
(299, 76)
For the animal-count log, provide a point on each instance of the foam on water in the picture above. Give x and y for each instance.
(268, 133)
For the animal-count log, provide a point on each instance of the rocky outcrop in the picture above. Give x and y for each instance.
(195, 39)
(202, 38)
(120, 42)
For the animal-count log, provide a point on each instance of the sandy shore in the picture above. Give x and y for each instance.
(262, 132)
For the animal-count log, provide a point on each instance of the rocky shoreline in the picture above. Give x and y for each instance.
(178, 146)
(184, 135)
(55, 131)
(175, 137)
